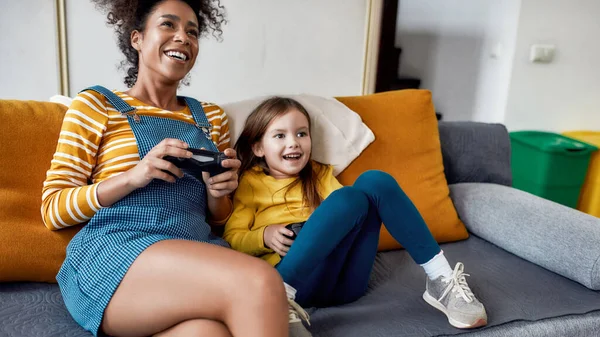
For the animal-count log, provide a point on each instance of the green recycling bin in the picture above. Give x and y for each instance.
(549, 165)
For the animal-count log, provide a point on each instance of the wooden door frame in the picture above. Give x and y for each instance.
(62, 50)
(371, 51)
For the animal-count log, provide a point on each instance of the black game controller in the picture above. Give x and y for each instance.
(294, 227)
(201, 161)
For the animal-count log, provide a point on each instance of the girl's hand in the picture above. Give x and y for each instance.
(225, 183)
(275, 238)
(153, 166)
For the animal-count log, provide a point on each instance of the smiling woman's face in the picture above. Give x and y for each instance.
(168, 46)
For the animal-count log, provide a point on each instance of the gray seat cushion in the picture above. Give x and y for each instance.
(35, 309)
(512, 289)
(518, 295)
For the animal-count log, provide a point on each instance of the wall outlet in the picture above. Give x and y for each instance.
(542, 53)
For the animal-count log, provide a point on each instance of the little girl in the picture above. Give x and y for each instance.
(330, 260)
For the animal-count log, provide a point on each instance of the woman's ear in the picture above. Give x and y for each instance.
(136, 40)
(258, 150)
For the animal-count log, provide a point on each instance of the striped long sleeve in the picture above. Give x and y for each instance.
(68, 198)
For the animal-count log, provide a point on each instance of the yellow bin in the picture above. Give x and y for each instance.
(589, 199)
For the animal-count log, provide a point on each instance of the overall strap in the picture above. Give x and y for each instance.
(200, 119)
(197, 112)
(119, 104)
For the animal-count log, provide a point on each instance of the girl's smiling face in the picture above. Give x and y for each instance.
(286, 145)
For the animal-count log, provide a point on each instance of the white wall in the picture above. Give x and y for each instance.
(462, 50)
(496, 60)
(565, 94)
(93, 53)
(29, 59)
(474, 56)
(269, 46)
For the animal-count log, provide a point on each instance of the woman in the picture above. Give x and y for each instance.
(146, 262)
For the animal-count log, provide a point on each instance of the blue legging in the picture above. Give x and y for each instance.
(330, 261)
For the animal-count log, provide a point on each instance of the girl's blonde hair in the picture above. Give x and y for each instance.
(254, 130)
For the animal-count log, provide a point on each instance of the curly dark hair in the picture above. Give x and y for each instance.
(129, 15)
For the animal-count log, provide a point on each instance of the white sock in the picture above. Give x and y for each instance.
(290, 291)
(437, 266)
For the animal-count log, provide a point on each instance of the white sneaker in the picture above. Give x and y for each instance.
(296, 315)
(454, 298)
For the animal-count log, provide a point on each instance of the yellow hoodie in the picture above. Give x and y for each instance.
(260, 201)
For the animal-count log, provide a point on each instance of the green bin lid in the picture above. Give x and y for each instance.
(552, 142)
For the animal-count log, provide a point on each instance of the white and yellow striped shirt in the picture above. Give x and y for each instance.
(96, 143)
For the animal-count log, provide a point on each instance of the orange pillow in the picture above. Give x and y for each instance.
(28, 135)
(407, 146)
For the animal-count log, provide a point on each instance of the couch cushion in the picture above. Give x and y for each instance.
(475, 152)
(511, 288)
(544, 232)
(35, 309)
(407, 146)
(28, 135)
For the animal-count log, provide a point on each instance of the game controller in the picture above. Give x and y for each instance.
(294, 227)
(201, 161)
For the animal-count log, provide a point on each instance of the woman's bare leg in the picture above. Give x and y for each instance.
(196, 328)
(175, 281)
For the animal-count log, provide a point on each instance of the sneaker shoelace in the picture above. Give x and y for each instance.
(458, 284)
(297, 312)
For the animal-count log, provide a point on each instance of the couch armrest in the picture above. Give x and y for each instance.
(548, 234)
(475, 153)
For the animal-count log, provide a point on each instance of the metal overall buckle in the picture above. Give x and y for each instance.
(206, 130)
(133, 114)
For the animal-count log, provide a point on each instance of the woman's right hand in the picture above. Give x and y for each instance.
(275, 238)
(153, 166)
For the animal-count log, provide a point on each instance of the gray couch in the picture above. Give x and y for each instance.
(534, 263)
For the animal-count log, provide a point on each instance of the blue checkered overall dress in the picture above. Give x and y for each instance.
(101, 253)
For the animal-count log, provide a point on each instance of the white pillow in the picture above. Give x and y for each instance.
(338, 133)
(64, 100)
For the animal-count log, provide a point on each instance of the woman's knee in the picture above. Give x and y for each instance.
(198, 328)
(265, 276)
(262, 280)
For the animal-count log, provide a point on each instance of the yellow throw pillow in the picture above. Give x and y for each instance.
(407, 146)
(28, 135)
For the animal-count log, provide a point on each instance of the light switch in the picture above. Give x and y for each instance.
(542, 53)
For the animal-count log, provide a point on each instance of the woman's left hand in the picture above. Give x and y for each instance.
(224, 183)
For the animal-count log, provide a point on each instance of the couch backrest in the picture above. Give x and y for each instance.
(407, 145)
(476, 153)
